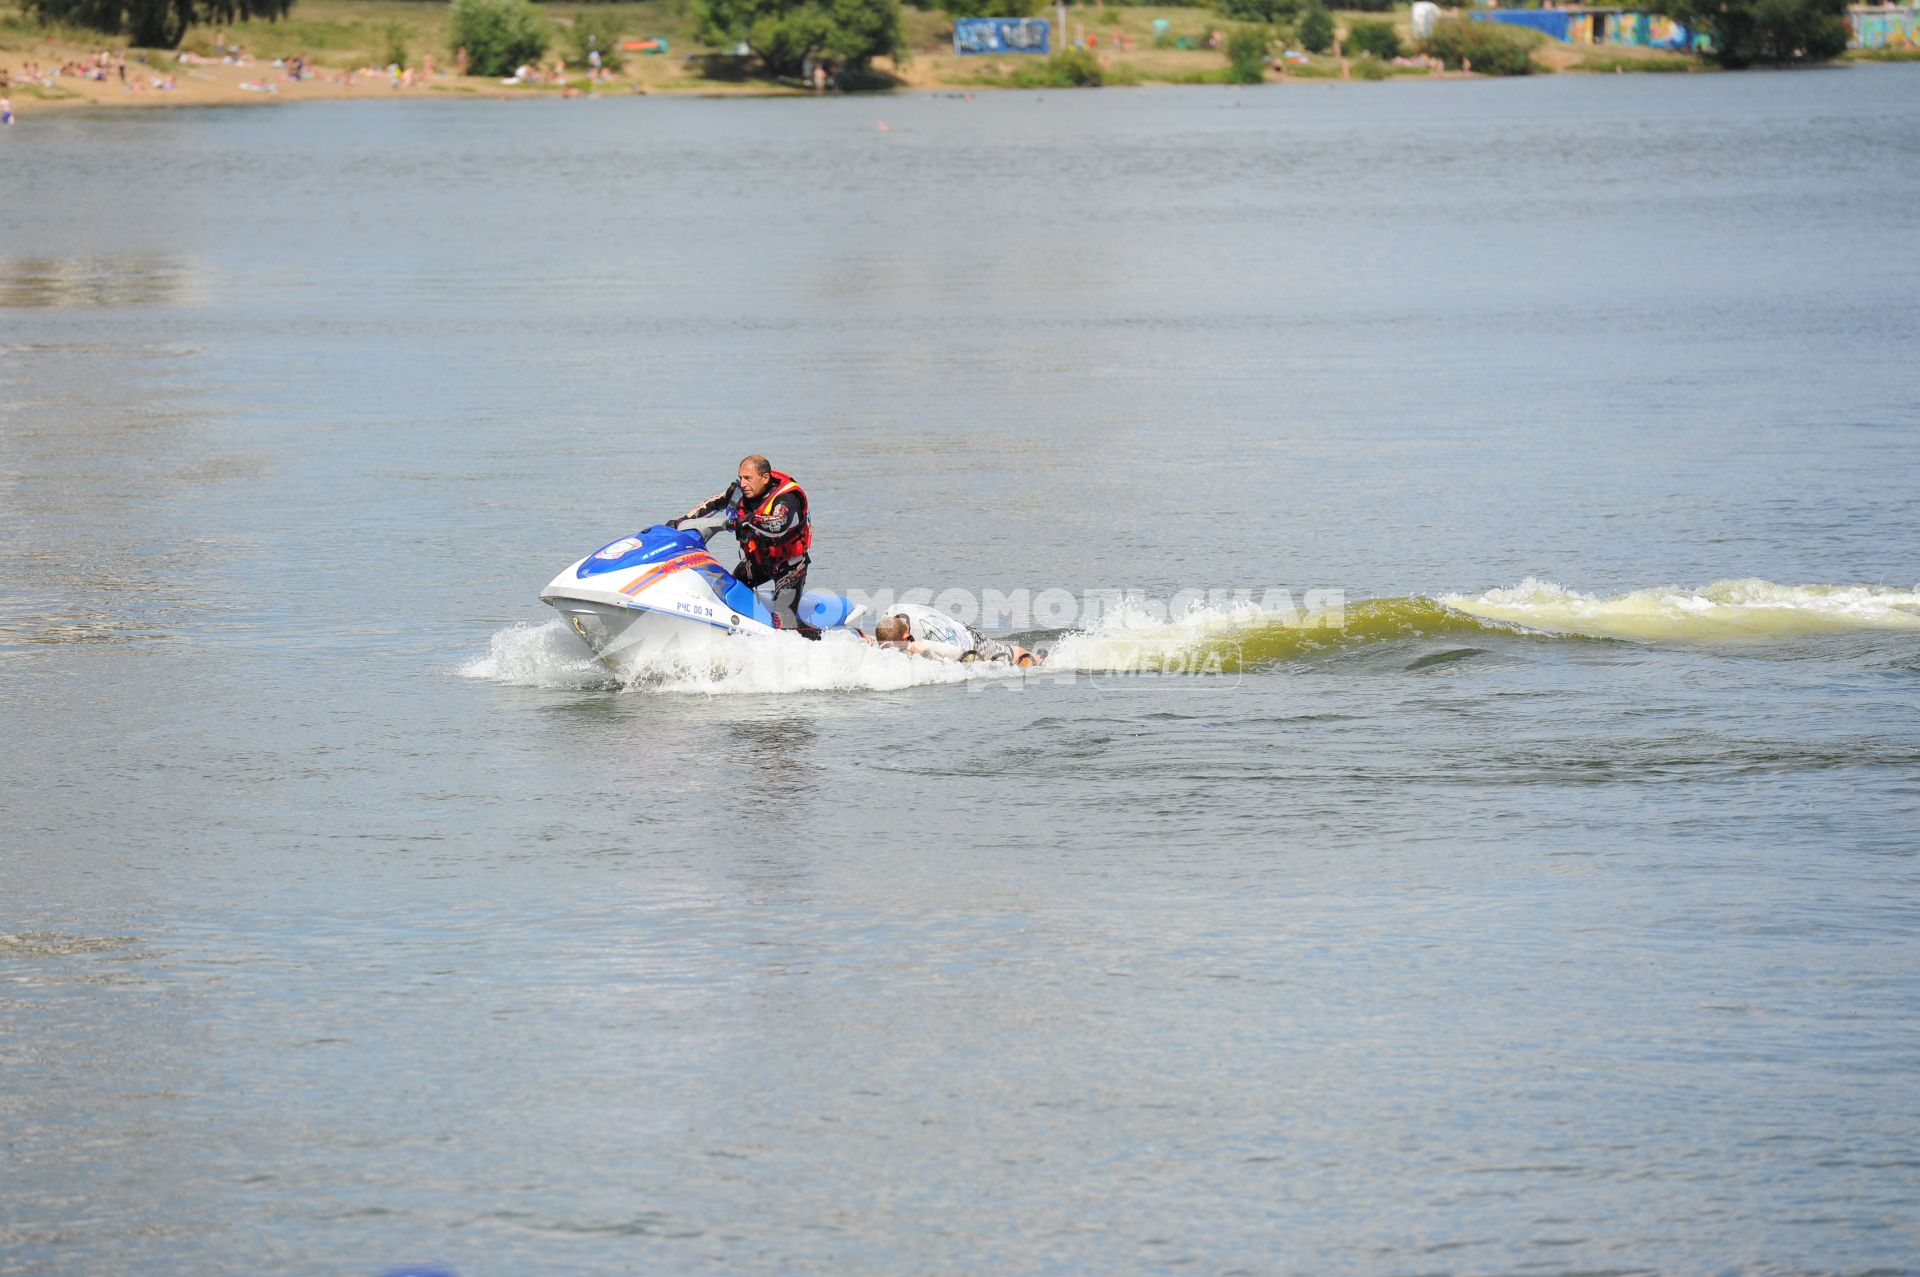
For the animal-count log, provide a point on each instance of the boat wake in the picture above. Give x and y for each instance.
(1724, 611)
(1231, 639)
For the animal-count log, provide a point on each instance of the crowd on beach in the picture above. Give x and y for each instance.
(135, 75)
(103, 66)
(535, 74)
(399, 75)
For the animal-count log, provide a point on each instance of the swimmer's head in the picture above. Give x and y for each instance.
(892, 629)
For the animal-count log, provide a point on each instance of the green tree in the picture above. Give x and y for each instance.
(1376, 37)
(1743, 32)
(153, 24)
(1247, 54)
(1267, 12)
(783, 34)
(394, 36)
(1316, 30)
(499, 35)
(601, 30)
(1493, 49)
(1070, 68)
(990, 8)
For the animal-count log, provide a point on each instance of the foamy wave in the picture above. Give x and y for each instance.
(1210, 640)
(1136, 638)
(777, 664)
(1747, 608)
(550, 655)
(547, 655)
(1223, 639)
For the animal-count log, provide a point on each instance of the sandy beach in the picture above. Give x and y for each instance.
(161, 80)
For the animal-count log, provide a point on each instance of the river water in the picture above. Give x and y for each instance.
(1549, 907)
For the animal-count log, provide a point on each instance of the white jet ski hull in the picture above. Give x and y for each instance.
(659, 595)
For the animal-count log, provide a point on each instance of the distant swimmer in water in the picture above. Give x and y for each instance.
(926, 632)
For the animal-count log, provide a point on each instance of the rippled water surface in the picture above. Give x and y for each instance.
(1552, 911)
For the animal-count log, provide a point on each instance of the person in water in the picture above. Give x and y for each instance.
(767, 512)
(927, 632)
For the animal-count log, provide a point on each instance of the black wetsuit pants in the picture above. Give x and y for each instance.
(789, 582)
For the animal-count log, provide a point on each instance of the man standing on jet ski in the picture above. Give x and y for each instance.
(767, 511)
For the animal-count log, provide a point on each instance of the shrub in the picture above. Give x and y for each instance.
(1369, 69)
(1377, 38)
(783, 34)
(393, 39)
(1373, 37)
(150, 24)
(1492, 48)
(1247, 54)
(1266, 12)
(1316, 30)
(599, 29)
(992, 8)
(1067, 69)
(499, 35)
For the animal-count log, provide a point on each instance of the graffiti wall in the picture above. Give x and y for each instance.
(1552, 21)
(1001, 35)
(1598, 26)
(1647, 31)
(1885, 28)
(1874, 27)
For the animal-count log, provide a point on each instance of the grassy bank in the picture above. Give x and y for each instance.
(359, 32)
(339, 35)
(1883, 55)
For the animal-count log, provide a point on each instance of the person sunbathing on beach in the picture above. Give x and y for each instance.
(925, 631)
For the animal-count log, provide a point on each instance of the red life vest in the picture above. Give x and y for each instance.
(754, 545)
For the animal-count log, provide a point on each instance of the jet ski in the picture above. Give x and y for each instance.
(659, 593)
